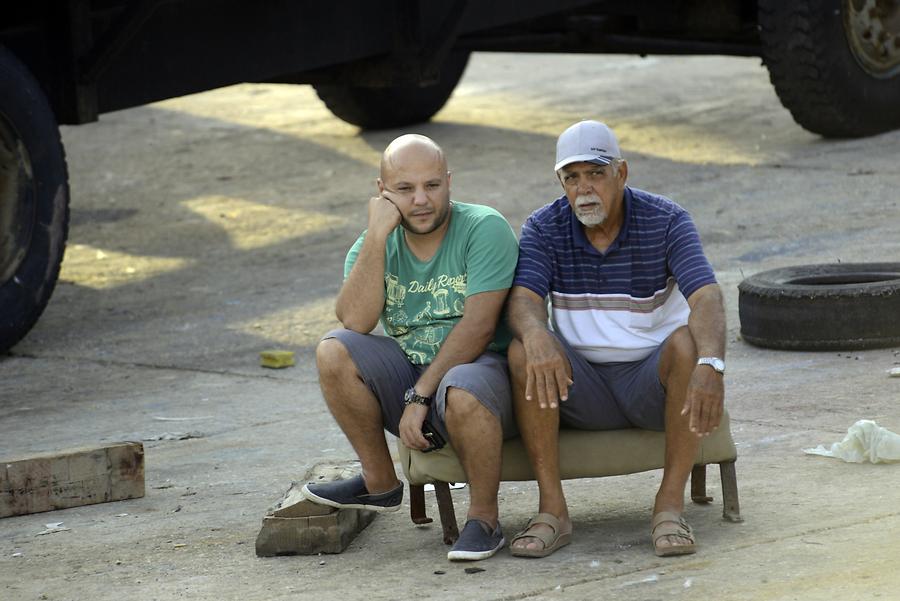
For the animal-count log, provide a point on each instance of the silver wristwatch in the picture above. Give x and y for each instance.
(411, 397)
(714, 362)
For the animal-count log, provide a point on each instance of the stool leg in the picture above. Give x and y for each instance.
(698, 485)
(448, 515)
(417, 504)
(732, 506)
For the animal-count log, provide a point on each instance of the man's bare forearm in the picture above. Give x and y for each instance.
(468, 339)
(464, 344)
(707, 321)
(361, 299)
(706, 391)
(525, 312)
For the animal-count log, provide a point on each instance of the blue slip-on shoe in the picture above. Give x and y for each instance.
(476, 541)
(352, 494)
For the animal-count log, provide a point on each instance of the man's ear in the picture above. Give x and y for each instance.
(380, 185)
(623, 171)
(449, 174)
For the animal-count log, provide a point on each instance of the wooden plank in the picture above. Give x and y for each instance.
(71, 478)
(296, 526)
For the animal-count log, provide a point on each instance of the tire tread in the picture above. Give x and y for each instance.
(804, 69)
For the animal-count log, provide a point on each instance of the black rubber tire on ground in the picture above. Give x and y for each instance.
(383, 108)
(34, 200)
(843, 306)
(825, 69)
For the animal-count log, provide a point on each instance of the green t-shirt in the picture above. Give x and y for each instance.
(425, 299)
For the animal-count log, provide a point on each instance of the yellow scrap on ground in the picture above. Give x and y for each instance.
(276, 359)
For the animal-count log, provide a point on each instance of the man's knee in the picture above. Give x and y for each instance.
(462, 404)
(332, 357)
(679, 352)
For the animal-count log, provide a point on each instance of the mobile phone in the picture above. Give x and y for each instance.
(435, 440)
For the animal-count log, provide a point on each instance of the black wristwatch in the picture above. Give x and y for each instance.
(411, 397)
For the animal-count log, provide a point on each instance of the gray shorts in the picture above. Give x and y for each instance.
(388, 373)
(610, 396)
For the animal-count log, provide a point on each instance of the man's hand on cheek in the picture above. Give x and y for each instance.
(384, 215)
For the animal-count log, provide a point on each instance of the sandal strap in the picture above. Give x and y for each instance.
(545, 518)
(668, 523)
(545, 537)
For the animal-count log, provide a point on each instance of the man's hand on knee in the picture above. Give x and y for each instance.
(704, 400)
(547, 378)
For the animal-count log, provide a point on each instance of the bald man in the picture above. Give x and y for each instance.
(435, 273)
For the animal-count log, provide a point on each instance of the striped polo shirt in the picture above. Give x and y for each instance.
(621, 304)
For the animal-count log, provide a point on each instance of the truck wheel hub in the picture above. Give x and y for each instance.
(873, 30)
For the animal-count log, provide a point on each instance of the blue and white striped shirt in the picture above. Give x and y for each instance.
(621, 304)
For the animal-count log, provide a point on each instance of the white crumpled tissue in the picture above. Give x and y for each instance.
(865, 441)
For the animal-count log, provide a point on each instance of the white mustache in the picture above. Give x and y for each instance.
(589, 210)
(586, 199)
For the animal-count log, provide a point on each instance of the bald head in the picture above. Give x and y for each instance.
(411, 148)
(414, 177)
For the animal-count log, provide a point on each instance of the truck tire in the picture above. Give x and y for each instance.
(34, 201)
(835, 64)
(839, 306)
(383, 108)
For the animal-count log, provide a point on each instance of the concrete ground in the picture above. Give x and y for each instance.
(208, 228)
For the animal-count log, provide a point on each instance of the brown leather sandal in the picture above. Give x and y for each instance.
(669, 523)
(552, 541)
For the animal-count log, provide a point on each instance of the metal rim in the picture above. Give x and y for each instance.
(873, 33)
(17, 206)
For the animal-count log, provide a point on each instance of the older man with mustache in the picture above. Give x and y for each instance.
(637, 333)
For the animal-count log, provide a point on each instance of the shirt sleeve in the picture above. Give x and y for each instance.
(535, 266)
(491, 255)
(353, 254)
(685, 256)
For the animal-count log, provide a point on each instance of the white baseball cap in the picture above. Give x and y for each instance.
(589, 141)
